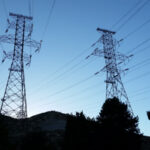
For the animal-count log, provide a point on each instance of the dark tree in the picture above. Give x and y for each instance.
(119, 129)
(77, 132)
(4, 143)
(36, 141)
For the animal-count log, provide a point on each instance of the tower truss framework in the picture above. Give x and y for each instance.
(114, 84)
(14, 103)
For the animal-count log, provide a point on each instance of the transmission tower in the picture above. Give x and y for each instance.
(14, 102)
(114, 84)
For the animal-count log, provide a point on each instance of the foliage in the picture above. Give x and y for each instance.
(115, 114)
(77, 132)
(37, 141)
(115, 128)
(120, 128)
(4, 143)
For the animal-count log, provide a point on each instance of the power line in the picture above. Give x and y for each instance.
(29, 7)
(91, 95)
(57, 77)
(137, 100)
(62, 76)
(70, 87)
(49, 17)
(136, 65)
(5, 8)
(142, 62)
(127, 13)
(86, 89)
(139, 45)
(72, 101)
(142, 50)
(68, 70)
(32, 7)
(77, 93)
(97, 84)
(132, 15)
(60, 68)
(137, 29)
(138, 77)
(139, 90)
(44, 81)
(143, 91)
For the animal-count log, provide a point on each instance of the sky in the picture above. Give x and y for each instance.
(59, 75)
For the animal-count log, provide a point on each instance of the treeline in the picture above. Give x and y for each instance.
(114, 128)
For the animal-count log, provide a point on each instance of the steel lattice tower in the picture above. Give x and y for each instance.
(14, 102)
(114, 84)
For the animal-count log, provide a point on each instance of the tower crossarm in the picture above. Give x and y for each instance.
(7, 39)
(9, 55)
(122, 58)
(34, 44)
(27, 42)
(96, 52)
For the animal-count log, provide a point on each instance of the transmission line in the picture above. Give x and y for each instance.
(132, 15)
(99, 83)
(139, 45)
(70, 87)
(5, 8)
(76, 94)
(61, 76)
(128, 35)
(136, 65)
(137, 29)
(49, 17)
(88, 88)
(143, 91)
(138, 77)
(29, 7)
(44, 81)
(127, 13)
(142, 62)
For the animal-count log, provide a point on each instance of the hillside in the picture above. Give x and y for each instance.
(51, 124)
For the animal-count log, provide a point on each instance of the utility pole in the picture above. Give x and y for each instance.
(14, 103)
(114, 84)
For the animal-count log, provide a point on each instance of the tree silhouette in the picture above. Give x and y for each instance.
(119, 129)
(76, 132)
(4, 143)
(37, 141)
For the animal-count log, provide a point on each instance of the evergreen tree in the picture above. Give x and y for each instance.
(119, 129)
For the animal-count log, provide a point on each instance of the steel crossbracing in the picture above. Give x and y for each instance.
(114, 84)
(14, 103)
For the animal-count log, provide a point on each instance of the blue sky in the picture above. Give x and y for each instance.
(70, 31)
